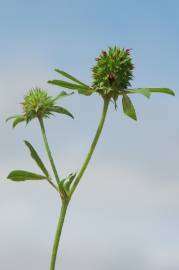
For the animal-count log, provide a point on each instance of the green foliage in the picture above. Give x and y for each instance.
(143, 91)
(128, 107)
(36, 158)
(63, 94)
(162, 90)
(85, 90)
(81, 87)
(61, 110)
(17, 119)
(70, 77)
(67, 182)
(20, 175)
(147, 91)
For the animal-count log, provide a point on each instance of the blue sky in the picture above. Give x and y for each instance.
(133, 176)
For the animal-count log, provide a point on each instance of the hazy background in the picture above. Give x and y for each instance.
(125, 214)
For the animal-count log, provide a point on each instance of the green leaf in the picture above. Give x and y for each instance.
(63, 94)
(61, 110)
(162, 90)
(67, 181)
(12, 117)
(18, 120)
(85, 90)
(37, 159)
(72, 78)
(143, 91)
(128, 107)
(20, 175)
(61, 183)
(147, 91)
(70, 178)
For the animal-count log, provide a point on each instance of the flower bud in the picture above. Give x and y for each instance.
(104, 53)
(128, 51)
(111, 77)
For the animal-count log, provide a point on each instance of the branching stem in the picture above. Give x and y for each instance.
(92, 147)
(65, 200)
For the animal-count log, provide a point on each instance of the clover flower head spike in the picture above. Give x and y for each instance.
(112, 75)
(113, 72)
(38, 104)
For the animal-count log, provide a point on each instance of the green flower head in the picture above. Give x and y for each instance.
(38, 104)
(113, 72)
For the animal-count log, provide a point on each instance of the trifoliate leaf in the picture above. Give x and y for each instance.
(85, 90)
(70, 77)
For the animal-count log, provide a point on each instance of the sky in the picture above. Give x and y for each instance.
(125, 212)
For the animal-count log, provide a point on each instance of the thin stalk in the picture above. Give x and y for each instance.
(92, 147)
(52, 184)
(58, 234)
(48, 151)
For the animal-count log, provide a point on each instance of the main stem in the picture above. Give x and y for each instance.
(64, 198)
(58, 234)
(92, 147)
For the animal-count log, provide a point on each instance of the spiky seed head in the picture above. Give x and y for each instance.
(37, 103)
(112, 72)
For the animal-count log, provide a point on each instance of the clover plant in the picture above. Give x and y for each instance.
(111, 79)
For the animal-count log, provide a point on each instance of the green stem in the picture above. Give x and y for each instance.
(52, 184)
(92, 147)
(58, 234)
(48, 151)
